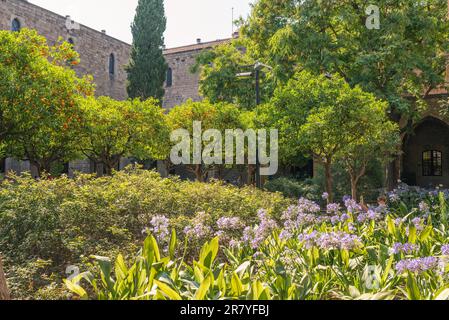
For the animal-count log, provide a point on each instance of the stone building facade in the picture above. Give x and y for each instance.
(102, 56)
(181, 83)
(425, 151)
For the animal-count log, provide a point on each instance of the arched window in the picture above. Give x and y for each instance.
(169, 80)
(112, 64)
(432, 163)
(15, 25)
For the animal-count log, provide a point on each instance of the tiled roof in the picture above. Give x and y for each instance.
(195, 47)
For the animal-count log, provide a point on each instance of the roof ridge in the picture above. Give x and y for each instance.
(195, 46)
(81, 24)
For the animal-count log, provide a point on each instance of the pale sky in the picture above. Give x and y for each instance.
(187, 20)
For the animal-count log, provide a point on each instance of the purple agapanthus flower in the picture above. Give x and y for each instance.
(424, 207)
(333, 208)
(255, 236)
(233, 223)
(419, 265)
(419, 224)
(352, 206)
(160, 227)
(331, 240)
(445, 250)
(406, 248)
(394, 197)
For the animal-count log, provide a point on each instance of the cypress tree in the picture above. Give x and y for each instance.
(147, 68)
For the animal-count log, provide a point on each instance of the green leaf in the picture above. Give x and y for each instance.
(412, 288)
(387, 269)
(412, 237)
(75, 288)
(209, 252)
(354, 292)
(172, 246)
(424, 236)
(151, 250)
(106, 270)
(236, 285)
(391, 227)
(204, 288)
(242, 268)
(120, 268)
(221, 282)
(443, 295)
(169, 292)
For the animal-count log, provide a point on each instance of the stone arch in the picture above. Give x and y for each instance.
(430, 137)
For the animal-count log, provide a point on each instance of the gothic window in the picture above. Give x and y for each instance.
(112, 64)
(432, 163)
(15, 25)
(169, 80)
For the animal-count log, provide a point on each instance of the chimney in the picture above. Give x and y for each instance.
(103, 31)
(198, 41)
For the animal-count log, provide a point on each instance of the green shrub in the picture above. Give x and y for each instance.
(293, 188)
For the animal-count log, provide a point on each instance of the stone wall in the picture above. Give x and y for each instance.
(93, 46)
(185, 84)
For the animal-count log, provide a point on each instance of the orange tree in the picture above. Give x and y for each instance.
(115, 129)
(40, 115)
(219, 116)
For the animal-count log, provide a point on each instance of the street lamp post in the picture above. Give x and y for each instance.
(258, 66)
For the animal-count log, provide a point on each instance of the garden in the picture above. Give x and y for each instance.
(391, 252)
(135, 235)
(349, 230)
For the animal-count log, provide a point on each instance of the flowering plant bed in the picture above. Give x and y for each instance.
(345, 253)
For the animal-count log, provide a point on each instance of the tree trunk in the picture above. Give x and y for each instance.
(355, 178)
(393, 175)
(110, 165)
(354, 183)
(251, 175)
(41, 168)
(108, 169)
(4, 292)
(199, 173)
(329, 181)
(220, 170)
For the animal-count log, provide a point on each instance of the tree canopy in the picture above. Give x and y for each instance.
(40, 115)
(220, 82)
(405, 58)
(147, 68)
(221, 116)
(326, 118)
(116, 129)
